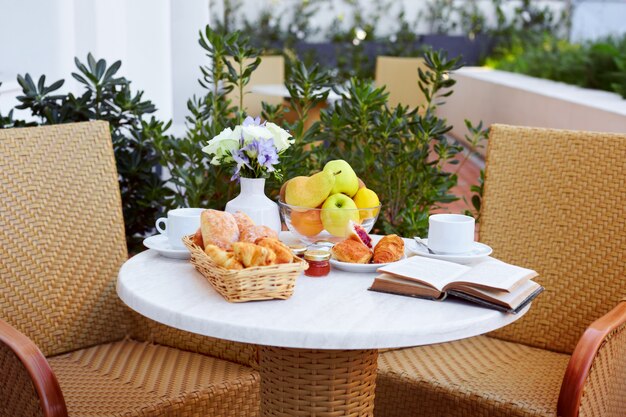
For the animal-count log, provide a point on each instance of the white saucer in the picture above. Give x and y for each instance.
(479, 251)
(160, 244)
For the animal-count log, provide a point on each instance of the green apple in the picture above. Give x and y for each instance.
(346, 180)
(337, 211)
(309, 191)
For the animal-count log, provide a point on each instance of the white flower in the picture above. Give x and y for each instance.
(251, 133)
(222, 145)
(282, 138)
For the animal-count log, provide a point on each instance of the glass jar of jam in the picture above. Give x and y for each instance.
(298, 250)
(319, 263)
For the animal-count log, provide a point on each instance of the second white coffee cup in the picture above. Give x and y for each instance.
(450, 233)
(178, 223)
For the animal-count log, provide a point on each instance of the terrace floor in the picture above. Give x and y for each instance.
(468, 171)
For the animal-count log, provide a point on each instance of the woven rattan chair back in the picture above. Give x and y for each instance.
(554, 201)
(61, 236)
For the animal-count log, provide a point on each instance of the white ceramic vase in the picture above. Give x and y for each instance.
(253, 201)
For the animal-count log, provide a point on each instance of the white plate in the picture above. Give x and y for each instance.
(360, 268)
(478, 252)
(160, 244)
(365, 268)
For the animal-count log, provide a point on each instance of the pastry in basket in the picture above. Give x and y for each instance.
(243, 221)
(197, 238)
(250, 254)
(282, 251)
(358, 233)
(222, 258)
(388, 249)
(253, 233)
(219, 228)
(352, 251)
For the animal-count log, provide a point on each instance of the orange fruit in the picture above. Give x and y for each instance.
(307, 223)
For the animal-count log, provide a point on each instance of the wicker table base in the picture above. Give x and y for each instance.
(317, 383)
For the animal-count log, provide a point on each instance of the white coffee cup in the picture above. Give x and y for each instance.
(178, 223)
(450, 233)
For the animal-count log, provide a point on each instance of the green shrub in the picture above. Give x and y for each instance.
(596, 64)
(399, 153)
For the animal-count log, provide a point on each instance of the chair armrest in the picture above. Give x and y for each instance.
(600, 343)
(34, 367)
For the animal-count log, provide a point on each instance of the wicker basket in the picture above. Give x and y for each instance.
(249, 284)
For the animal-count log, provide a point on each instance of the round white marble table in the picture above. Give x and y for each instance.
(333, 322)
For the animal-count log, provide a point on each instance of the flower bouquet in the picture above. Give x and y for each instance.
(253, 150)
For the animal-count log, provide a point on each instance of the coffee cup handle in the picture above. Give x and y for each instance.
(158, 225)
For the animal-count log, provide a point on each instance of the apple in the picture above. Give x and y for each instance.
(337, 211)
(309, 191)
(346, 181)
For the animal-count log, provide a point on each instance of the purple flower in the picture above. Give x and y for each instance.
(241, 159)
(252, 121)
(264, 151)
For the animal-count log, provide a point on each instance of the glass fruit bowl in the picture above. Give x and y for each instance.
(312, 225)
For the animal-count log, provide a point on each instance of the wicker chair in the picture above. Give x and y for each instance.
(553, 201)
(67, 343)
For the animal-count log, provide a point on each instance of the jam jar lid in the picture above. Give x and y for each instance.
(297, 249)
(324, 244)
(317, 255)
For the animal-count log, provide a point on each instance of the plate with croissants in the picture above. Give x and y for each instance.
(360, 252)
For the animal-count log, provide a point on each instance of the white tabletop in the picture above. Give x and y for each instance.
(279, 90)
(335, 312)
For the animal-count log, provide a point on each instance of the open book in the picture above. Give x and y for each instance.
(490, 283)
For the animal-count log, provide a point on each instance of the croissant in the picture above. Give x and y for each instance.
(219, 228)
(243, 221)
(388, 249)
(250, 254)
(222, 258)
(282, 251)
(351, 251)
(253, 233)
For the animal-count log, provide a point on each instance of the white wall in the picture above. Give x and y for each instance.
(155, 39)
(598, 18)
(491, 96)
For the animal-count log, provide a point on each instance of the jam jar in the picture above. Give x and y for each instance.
(319, 263)
(298, 250)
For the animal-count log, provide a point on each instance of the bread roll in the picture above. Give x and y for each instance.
(197, 238)
(254, 233)
(218, 228)
(243, 221)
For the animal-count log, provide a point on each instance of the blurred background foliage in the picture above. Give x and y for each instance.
(400, 153)
(403, 154)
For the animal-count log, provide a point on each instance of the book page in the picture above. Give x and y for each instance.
(495, 274)
(432, 272)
